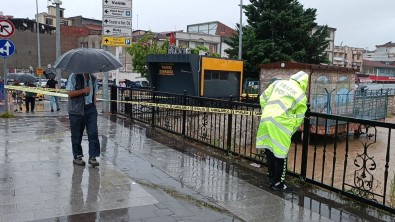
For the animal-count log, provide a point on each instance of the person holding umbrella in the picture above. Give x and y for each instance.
(82, 110)
(82, 88)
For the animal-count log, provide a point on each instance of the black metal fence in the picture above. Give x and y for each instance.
(347, 155)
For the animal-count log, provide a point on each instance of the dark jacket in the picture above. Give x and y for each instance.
(76, 104)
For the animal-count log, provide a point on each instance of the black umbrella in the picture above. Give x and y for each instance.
(22, 77)
(87, 60)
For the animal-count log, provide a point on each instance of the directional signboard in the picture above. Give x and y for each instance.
(116, 31)
(7, 48)
(109, 12)
(7, 28)
(118, 22)
(117, 19)
(117, 41)
(118, 3)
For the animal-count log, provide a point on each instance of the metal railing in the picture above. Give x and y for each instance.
(348, 155)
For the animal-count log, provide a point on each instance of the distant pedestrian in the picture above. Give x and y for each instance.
(53, 84)
(82, 110)
(30, 99)
(18, 97)
(283, 106)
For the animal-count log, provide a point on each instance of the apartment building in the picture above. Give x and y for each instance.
(383, 53)
(349, 57)
(331, 38)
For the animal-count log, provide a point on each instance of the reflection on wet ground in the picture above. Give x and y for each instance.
(145, 175)
(220, 179)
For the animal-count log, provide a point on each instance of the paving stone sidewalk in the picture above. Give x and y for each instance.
(139, 179)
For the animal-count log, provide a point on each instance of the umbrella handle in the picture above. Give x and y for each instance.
(88, 79)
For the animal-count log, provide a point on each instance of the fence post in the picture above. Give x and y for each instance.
(114, 97)
(229, 131)
(153, 108)
(184, 113)
(305, 145)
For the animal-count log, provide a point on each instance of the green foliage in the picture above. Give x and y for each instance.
(279, 31)
(148, 44)
(7, 115)
(204, 49)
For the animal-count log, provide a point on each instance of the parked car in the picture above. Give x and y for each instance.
(137, 84)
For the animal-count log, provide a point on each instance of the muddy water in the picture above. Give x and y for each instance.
(347, 162)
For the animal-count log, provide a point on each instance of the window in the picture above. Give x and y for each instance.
(215, 75)
(199, 43)
(212, 48)
(183, 44)
(61, 13)
(49, 21)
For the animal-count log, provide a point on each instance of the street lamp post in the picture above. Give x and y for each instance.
(241, 29)
(38, 44)
(57, 3)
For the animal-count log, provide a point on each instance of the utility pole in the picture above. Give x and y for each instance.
(57, 3)
(241, 29)
(38, 44)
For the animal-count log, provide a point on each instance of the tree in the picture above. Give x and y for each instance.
(280, 30)
(148, 44)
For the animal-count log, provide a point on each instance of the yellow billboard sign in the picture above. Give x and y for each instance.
(117, 41)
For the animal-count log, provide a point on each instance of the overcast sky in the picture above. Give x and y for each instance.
(359, 23)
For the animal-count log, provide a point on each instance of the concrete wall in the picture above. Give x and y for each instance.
(26, 50)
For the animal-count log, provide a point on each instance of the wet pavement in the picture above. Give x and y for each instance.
(144, 175)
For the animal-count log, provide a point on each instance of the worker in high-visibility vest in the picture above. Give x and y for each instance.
(283, 104)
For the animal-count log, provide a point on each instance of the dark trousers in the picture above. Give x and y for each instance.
(77, 126)
(277, 167)
(30, 101)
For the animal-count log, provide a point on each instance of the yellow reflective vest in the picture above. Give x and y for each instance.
(283, 106)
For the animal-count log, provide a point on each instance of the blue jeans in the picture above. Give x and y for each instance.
(77, 126)
(51, 100)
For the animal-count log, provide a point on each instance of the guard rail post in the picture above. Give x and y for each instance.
(153, 108)
(114, 97)
(305, 144)
(229, 132)
(184, 113)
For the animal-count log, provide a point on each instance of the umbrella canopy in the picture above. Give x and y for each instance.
(13, 75)
(87, 60)
(22, 77)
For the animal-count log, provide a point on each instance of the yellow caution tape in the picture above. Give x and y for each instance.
(63, 93)
(52, 92)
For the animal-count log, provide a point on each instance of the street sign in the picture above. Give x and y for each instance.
(40, 71)
(116, 12)
(116, 31)
(117, 18)
(7, 28)
(118, 3)
(7, 48)
(117, 41)
(118, 22)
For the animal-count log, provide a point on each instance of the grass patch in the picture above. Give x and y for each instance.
(7, 115)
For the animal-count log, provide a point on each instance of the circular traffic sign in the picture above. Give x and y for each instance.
(7, 28)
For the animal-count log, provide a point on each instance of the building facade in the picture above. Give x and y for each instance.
(331, 38)
(383, 53)
(349, 57)
(49, 18)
